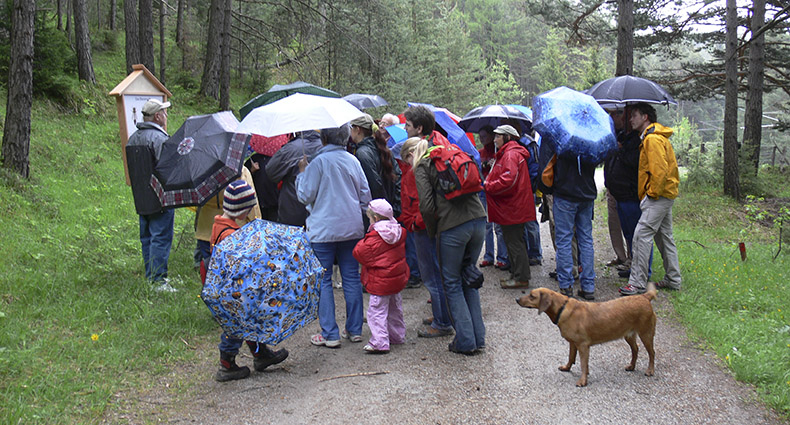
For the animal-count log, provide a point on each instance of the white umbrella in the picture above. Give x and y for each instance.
(298, 112)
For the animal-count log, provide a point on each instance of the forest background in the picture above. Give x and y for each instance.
(71, 342)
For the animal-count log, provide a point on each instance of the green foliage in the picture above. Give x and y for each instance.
(703, 164)
(551, 70)
(499, 87)
(104, 40)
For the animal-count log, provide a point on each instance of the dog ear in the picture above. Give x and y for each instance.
(545, 301)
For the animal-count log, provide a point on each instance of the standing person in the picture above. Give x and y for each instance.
(156, 222)
(283, 167)
(532, 228)
(389, 119)
(459, 226)
(511, 202)
(238, 200)
(616, 230)
(265, 188)
(382, 255)
(439, 324)
(380, 167)
(420, 122)
(658, 188)
(335, 191)
(574, 198)
(487, 158)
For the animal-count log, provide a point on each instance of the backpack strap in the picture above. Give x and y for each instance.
(219, 235)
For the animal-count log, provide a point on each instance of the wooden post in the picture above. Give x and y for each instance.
(130, 96)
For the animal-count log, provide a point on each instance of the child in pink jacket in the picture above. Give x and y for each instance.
(382, 254)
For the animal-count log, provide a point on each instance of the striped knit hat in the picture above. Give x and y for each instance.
(239, 197)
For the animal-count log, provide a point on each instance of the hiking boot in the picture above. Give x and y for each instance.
(433, 333)
(535, 262)
(615, 262)
(427, 321)
(625, 274)
(263, 356)
(451, 347)
(568, 292)
(588, 296)
(631, 290)
(513, 284)
(663, 284)
(229, 370)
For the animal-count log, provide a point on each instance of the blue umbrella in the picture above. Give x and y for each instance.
(494, 116)
(575, 124)
(524, 109)
(397, 134)
(454, 133)
(262, 283)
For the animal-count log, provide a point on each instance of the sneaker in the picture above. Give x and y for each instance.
(631, 290)
(373, 350)
(663, 284)
(615, 262)
(624, 273)
(414, 282)
(624, 266)
(319, 339)
(427, 321)
(513, 284)
(451, 347)
(502, 266)
(485, 263)
(588, 296)
(433, 333)
(568, 292)
(535, 262)
(352, 338)
(164, 286)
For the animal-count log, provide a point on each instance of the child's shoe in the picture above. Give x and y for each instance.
(229, 370)
(263, 356)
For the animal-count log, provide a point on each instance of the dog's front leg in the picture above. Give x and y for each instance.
(571, 358)
(584, 352)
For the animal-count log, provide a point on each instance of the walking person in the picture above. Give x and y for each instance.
(658, 188)
(382, 255)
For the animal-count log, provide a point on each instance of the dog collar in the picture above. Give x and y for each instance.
(559, 312)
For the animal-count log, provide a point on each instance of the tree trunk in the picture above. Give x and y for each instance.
(132, 40)
(241, 56)
(68, 23)
(224, 80)
(83, 42)
(146, 40)
(753, 118)
(209, 84)
(16, 134)
(98, 14)
(60, 15)
(180, 24)
(625, 38)
(162, 54)
(732, 186)
(113, 12)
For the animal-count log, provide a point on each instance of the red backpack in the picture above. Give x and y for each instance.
(458, 172)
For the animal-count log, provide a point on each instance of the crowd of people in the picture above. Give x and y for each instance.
(384, 222)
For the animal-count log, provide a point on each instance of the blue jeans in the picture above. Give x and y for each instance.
(501, 250)
(458, 245)
(411, 256)
(432, 278)
(156, 237)
(567, 215)
(629, 212)
(352, 288)
(532, 236)
(229, 345)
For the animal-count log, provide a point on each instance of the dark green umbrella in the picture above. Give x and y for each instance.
(279, 91)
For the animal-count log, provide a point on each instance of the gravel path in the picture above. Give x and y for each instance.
(515, 381)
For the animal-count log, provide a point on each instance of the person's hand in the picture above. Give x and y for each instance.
(302, 164)
(254, 167)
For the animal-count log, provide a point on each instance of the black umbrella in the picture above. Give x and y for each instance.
(494, 115)
(364, 101)
(629, 89)
(200, 159)
(279, 91)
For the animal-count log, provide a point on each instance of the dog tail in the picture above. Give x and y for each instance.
(651, 291)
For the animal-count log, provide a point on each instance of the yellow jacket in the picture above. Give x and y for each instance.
(206, 213)
(658, 167)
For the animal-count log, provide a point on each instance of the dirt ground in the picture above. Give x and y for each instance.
(514, 381)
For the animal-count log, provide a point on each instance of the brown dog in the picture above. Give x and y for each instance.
(584, 324)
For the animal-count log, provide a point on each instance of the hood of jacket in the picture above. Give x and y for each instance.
(659, 129)
(389, 230)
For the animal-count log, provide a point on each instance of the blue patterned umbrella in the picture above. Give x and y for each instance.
(575, 124)
(262, 283)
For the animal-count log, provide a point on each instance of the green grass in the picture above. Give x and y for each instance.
(739, 309)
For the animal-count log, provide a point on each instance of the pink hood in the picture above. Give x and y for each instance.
(389, 230)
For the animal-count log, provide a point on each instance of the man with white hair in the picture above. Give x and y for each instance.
(389, 119)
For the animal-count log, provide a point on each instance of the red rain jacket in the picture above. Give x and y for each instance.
(508, 189)
(384, 268)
